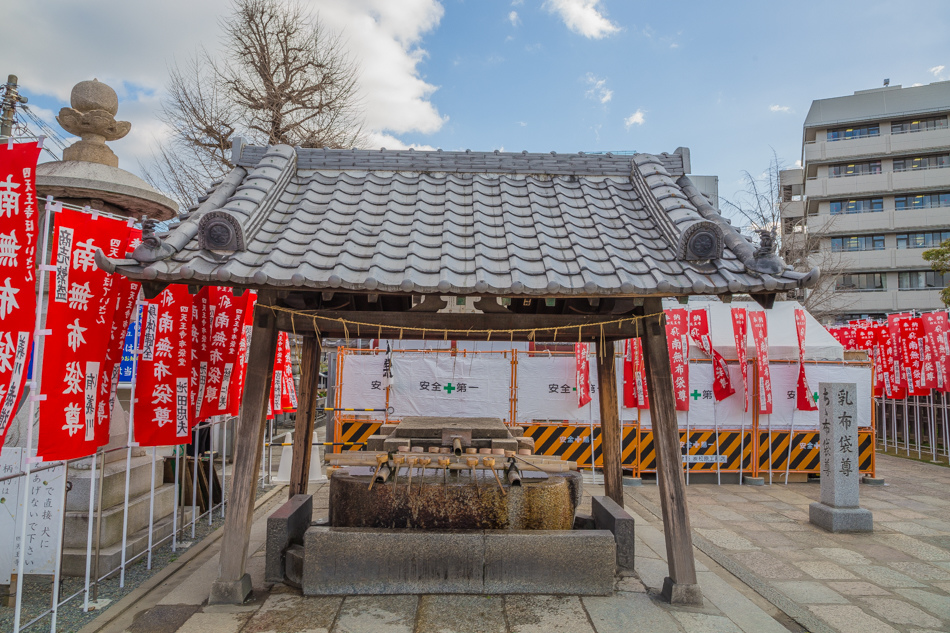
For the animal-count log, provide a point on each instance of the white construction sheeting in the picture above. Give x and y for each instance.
(784, 384)
(546, 390)
(704, 411)
(473, 385)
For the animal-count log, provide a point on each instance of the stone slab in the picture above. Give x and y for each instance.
(432, 427)
(376, 614)
(461, 614)
(286, 527)
(840, 519)
(623, 613)
(546, 614)
(511, 444)
(289, 612)
(391, 444)
(572, 562)
(608, 515)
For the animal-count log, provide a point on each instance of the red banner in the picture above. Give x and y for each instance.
(202, 314)
(936, 329)
(226, 328)
(879, 338)
(897, 376)
(629, 386)
(582, 373)
(236, 389)
(74, 420)
(806, 402)
(288, 392)
(740, 332)
(760, 336)
(18, 233)
(911, 331)
(677, 342)
(699, 332)
(163, 411)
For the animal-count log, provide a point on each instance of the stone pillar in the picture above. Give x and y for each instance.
(838, 510)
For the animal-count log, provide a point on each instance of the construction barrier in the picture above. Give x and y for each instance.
(700, 453)
(805, 452)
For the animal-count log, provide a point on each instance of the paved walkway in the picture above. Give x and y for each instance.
(896, 579)
(762, 568)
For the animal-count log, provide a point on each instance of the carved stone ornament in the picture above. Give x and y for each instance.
(220, 231)
(764, 260)
(92, 117)
(701, 241)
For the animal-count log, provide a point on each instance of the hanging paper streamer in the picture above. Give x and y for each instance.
(74, 417)
(18, 233)
(582, 373)
(699, 332)
(739, 330)
(760, 336)
(163, 411)
(805, 401)
(678, 345)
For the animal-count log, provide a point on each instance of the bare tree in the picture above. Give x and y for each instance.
(759, 208)
(280, 78)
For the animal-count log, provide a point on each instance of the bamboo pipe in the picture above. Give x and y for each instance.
(472, 462)
(513, 474)
(398, 460)
(412, 463)
(490, 462)
(457, 446)
(380, 460)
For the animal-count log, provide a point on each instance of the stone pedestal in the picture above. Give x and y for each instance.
(838, 510)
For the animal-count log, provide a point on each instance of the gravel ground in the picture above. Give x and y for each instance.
(37, 590)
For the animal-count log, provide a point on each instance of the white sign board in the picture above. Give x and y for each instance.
(9, 500)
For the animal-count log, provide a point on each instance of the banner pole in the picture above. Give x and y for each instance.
(210, 477)
(689, 444)
(770, 449)
(716, 422)
(102, 471)
(906, 426)
(917, 427)
(92, 508)
(943, 408)
(177, 502)
(151, 511)
(884, 421)
(57, 571)
(128, 454)
(125, 507)
(791, 439)
(38, 333)
(224, 463)
(932, 431)
(194, 483)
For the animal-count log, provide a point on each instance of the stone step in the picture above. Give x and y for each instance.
(77, 527)
(74, 558)
(113, 482)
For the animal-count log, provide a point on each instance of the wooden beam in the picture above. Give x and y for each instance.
(234, 584)
(410, 325)
(610, 435)
(306, 408)
(680, 586)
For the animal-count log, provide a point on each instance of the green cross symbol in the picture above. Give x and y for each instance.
(696, 395)
(814, 396)
(449, 388)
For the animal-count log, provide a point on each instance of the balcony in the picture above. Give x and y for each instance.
(846, 186)
(866, 260)
(921, 179)
(793, 209)
(884, 144)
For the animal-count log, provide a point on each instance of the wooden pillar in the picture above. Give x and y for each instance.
(610, 435)
(306, 409)
(233, 585)
(680, 586)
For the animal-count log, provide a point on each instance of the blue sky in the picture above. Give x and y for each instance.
(729, 79)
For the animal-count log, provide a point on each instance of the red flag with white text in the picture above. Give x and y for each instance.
(74, 421)
(911, 333)
(699, 332)
(163, 412)
(582, 373)
(804, 395)
(936, 329)
(18, 235)
(740, 332)
(236, 389)
(677, 341)
(760, 337)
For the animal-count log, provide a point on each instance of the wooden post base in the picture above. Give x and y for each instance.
(231, 591)
(678, 593)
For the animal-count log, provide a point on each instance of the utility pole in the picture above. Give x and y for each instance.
(10, 100)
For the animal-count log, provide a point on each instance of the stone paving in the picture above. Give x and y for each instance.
(895, 579)
(762, 566)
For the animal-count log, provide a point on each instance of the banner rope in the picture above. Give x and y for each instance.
(531, 332)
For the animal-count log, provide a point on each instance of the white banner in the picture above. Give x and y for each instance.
(363, 386)
(471, 386)
(785, 383)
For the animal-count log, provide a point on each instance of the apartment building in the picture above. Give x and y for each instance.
(873, 193)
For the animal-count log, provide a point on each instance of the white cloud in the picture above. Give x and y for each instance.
(384, 36)
(636, 118)
(517, 3)
(936, 71)
(598, 89)
(380, 140)
(779, 108)
(523, 123)
(514, 19)
(583, 16)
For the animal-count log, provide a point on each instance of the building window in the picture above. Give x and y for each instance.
(861, 282)
(922, 280)
(854, 169)
(848, 133)
(920, 125)
(922, 240)
(857, 243)
(845, 319)
(867, 205)
(926, 201)
(937, 161)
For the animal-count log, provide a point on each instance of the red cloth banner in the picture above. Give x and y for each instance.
(582, 373)
(936, 328)
(911, 331)
(760, 337)
(677, 341)
(163, 411)
(202, 314)
(879, 338)
(699, 332)
(288, 393)
(236, 389)
(629, 386)
(634, 375)
(804, 396)
(897, 376)
(740, 331)
(223, 348)
(18, 233)
(74, 421)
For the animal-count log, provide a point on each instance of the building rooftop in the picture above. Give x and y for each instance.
(484, 223)
(879, 103)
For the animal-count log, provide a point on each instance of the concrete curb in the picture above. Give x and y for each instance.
(789, 607)
(123, 605)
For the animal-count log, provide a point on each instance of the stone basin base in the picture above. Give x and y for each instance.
(399, 561)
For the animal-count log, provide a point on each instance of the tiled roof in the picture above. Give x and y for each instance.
(484, 223)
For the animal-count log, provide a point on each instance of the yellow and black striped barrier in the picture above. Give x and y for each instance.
(806, 452)
(353, 434)
(572, 442)
(319, 444)
(699, 451)
(390, 409)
